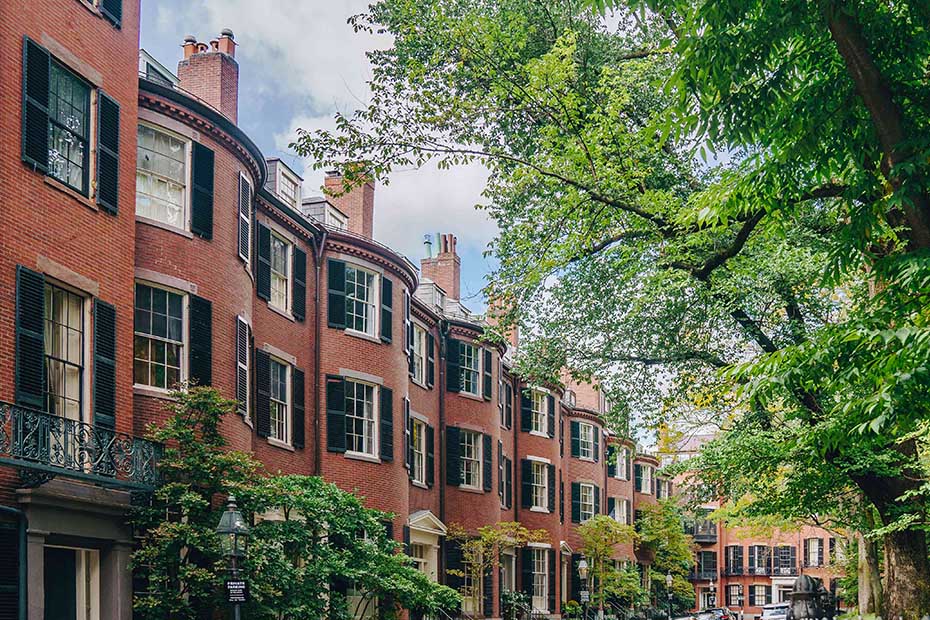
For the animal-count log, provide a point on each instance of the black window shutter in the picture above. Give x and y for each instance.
(500, 470)
(430, 456)
(430, 360)
(37, 68)
(576, 502)
(9, 571)
(508, 406)
(488, 379)
(408, 437)
(107, 152)
(299, 298)
(405, 532)
(408, 332)
(551, 487)
(387, 309)
(487, 457)
(336, 293)
(551, 553)
(104, 364)
(245, 218)
(112, 10)
(200, 353)
(597, 444)
(551, 418)
(262, 393)
(638, 477)
(597, 500)
(526, 411)
(575, 427)
(611, 461)
(629, 513)
(297, 411)
(30, 338)
(820, 552)
(453, 456)
(387, 424)
(508, 476)
(487, 588)
(263, 267)
(500, 391)
(612, 508)
(453, 365)
(526, 483)
(575, 588)
(202, 191)
(526, 570)
(335, 413)
(453, 563)
(242, 366)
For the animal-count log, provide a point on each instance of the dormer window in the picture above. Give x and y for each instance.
(288, 189)
(335, 218)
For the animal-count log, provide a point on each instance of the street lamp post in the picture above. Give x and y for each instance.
(713, 593)
(585, 593)
(668, 590)
(234, 535)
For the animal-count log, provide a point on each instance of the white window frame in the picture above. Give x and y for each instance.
(418, 444)
(541, 583)
(477, 369)
(246, 219)
(287, 277)
(586, 439)
(646, 479)
(286, 175)
(472, 464)
(334, 218)
(373, 303)
(811, 553)
(539, 413)
(84, 385)
(419, 354)
(185, 340)
(586, 510)
(375, 417)
(418, 554)
(188, 179)
(539, 472)
(753, 597)
(621, 511)
(276, 404)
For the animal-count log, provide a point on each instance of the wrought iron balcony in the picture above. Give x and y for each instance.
(703, 531)
(50, 445)
(701, 574)
(759, 570)
(785, 570)
(732, 571)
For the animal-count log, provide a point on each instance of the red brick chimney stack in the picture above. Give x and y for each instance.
(445, 269)
(358, 203)
(210, 72)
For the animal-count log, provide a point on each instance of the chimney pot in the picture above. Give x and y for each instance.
(445, 268)
(227, 42)
(226, 32)
(210, 72)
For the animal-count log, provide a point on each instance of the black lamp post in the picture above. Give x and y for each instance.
(583, 576)
(234, 537)
(668, 590)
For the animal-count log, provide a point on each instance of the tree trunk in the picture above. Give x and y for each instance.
(869, 577)
(907, 575)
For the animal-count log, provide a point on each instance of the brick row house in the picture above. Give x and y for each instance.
(148, 242)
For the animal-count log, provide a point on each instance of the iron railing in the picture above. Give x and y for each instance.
(52, 445)
(700, 574)
(732, 570)
(785, 570)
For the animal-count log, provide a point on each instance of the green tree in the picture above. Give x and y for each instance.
(661, 533)
(600, 537)
(798, 256)
(481, 551)
(311, 535)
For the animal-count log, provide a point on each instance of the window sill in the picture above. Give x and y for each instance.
(471, 489)
(78, 196)
(586, 459)
(141, 219)
(472, 396)
(417, 382)
(540, 434)
(357, 334)
(90, 7)
(421, 485)
(361, 456)
(152, 392)
(539, 509)
(287, 315)
(277, 443)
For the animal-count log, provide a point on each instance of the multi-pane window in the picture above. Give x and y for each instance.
(540, 482)
(540, 412)
(360, 417)
(734, 595)
(418, 555)
(68, 128)
(279, 392)
(540, 579)
(623, 463)
(586, 496)
(784, 560)
(64, 352)
(280, 250)
(586, 441)
(289, 190)
(622, 511)
(159, 321)
(758, 595)
(813, 552)
(419, 354)
(471, 369)
(361, 300)
(760, 560)
(471, 459)
(161, 177)
(418, 439)
(643, 478)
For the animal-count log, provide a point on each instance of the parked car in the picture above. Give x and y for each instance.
(775, 611)
(716, 613)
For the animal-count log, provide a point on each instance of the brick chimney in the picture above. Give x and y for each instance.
(358, 203)
(210, 72)
(445, 269)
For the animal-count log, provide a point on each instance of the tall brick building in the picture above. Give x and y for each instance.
(148, 242)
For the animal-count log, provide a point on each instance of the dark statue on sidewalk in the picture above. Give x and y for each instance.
(810, 599)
